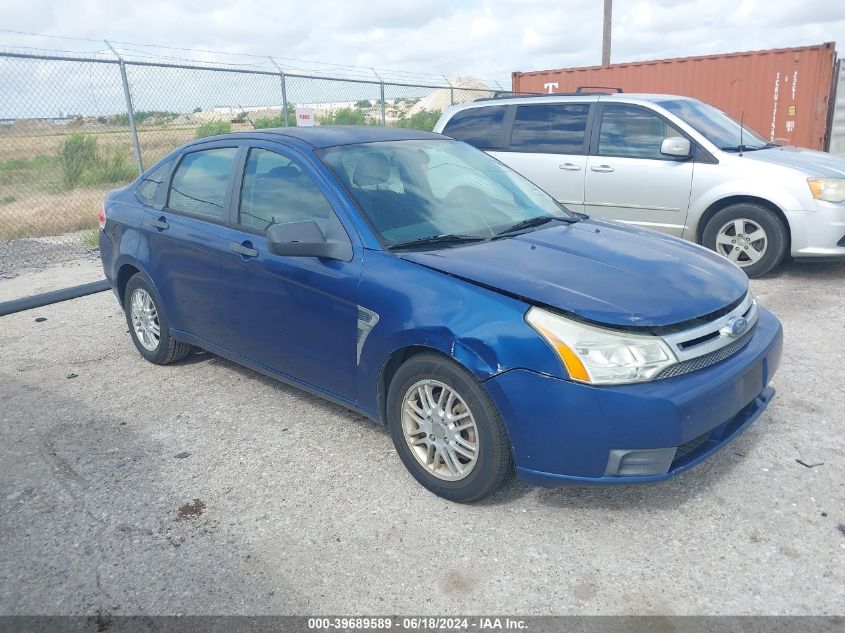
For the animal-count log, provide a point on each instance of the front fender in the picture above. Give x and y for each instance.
(480, 329)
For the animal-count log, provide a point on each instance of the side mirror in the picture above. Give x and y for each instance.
(677, 146)
(305, 239)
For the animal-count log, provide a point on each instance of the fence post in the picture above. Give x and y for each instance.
(284, 91)
(133, 131)
(381, 85)
(451, 91)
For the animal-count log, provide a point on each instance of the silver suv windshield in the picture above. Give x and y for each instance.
(438, 192)
(715, 125)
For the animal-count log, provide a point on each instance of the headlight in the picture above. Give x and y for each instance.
(600, 356)
(828, 189)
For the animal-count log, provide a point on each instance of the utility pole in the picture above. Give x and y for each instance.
(605, 40)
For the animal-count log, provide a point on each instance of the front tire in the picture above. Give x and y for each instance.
(148, 324)
(749, 235)
(447, 430)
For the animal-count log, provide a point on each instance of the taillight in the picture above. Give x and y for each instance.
(102, 216)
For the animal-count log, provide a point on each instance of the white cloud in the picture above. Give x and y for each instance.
(485, 38)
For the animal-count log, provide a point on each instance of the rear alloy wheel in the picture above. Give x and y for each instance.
(148, 324)
(748, 235)
(447, 430)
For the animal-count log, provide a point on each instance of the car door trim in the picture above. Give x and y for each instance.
(634, 206)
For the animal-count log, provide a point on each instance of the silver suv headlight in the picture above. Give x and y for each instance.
(827, 189)
(601, 356)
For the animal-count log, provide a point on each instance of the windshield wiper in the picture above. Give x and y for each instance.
(437, 239)
(530, 223)
(742, 148)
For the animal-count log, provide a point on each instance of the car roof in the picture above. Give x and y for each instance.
(586, 97)
(331, 135)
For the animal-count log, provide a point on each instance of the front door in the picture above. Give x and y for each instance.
(296, 315)
(627, 177)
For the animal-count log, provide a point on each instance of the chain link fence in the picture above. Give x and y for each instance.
(72, 128)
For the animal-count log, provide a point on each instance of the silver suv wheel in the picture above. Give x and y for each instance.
(742, 241)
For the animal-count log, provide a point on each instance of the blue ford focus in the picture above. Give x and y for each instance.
(416, 280)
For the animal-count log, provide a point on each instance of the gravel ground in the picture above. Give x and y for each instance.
(204, 488)
(34, 265)
(35, 253)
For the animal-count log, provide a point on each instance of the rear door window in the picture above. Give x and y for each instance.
(200, 183)
(148, 190)
(481, 127)
(632, 132)
(551, 128)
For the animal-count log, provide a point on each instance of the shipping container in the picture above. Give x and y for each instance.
(837, 118)
(784, 94)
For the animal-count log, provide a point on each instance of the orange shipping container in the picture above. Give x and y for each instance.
(784, 94)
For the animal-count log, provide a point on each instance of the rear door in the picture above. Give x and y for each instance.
(182, 240)
(548, 145)
(296, 315)
(627, 177)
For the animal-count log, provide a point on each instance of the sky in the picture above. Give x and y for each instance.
(482, 38)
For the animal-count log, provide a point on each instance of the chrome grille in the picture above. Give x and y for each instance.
(700, 362)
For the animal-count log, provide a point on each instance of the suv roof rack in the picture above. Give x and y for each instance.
(583, 89)
(580, 90)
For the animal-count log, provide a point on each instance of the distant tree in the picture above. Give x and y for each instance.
(276, 121)
(422, 120)
(213, 128)
(363, 104)
(344, 116)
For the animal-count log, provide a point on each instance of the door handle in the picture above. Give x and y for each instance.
(570, 167)
(161, 224)
(602, 168)
(244, 249)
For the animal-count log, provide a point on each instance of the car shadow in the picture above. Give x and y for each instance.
(808, 269)
(201, 356)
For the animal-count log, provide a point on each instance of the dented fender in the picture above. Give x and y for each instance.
(417, 307)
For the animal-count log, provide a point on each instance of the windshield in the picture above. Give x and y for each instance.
(715, 125)
(419, 189)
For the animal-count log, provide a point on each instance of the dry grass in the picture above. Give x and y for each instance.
(33, 200)
(42, 214)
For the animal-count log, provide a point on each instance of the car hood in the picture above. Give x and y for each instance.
(599, 271)
(809, 161)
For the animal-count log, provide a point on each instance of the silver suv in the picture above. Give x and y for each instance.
(667, 163)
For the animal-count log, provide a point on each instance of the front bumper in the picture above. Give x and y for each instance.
(819, 233)
(566, 432)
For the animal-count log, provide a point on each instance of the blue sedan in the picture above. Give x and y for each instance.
(416, 280)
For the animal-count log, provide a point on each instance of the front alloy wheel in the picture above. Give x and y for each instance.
(446, 429)
(752, 236)
(440, 430)
(742, 241)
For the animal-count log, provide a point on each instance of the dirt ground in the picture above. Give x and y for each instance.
(204, 488)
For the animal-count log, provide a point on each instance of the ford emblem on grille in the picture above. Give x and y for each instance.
(735, 326)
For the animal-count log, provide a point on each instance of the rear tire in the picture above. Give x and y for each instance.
(447, 430)
(750, 235)
(148, 324)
